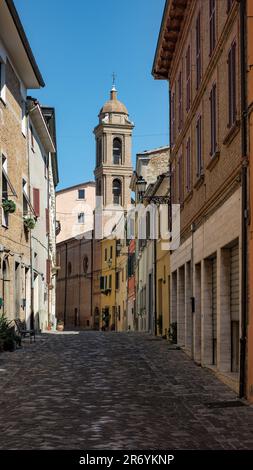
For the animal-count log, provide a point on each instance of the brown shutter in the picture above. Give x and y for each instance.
(47, 220)
(48, 272)
(36, 201)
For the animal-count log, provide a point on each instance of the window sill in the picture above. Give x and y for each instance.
(188, 196)
(213, 160)
(233, 130)
(200, 180)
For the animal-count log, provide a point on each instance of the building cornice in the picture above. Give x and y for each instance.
(173, 16)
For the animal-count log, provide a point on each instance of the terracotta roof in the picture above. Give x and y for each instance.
(113, 105)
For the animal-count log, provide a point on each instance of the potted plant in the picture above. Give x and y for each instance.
(60, 325)
(8, 206)
(29, 223)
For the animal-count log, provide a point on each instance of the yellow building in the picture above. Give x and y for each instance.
(121, 285)
(108, 284)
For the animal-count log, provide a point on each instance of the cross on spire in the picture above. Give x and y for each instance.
(113, 81)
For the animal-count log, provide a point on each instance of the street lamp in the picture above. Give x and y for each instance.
(141, 186)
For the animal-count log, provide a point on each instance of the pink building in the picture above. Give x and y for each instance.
(74, 210)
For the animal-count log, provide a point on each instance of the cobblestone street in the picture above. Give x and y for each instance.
(97, 390)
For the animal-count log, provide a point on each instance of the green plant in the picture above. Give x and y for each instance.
(60, 322)
(8, 337)
(29, 223)
(9, 206)
(173, 332)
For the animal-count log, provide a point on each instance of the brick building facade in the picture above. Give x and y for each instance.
(205, 82)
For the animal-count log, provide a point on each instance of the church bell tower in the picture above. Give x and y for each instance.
(113, 168)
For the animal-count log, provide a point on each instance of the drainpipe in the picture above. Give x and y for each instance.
(244, 277)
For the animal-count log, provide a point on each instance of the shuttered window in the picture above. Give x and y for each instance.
(36, 201)
(199, 146)
(188, 165)
(188, 78)
(198, 52)
(213, 119)
(232, 85)
(48, 279)
(212, 24)
(180, 179)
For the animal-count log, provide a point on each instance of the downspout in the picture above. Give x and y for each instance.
(244, 277)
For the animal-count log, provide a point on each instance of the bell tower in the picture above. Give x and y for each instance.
(113, 168)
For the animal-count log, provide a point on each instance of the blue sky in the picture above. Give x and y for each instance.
(78, 45)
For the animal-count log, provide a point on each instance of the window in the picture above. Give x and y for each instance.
(180, 179)
(119, 312)
(199, 147)
(117, 151)
(173, 120)
(48, 271)
(98, 188)
(81, 218)
(232, 85)
(36, 201)
(105, 254)
(110, 281)
(116, 188)
(212, 25)
(188, 165)
(180, 102)
(198, 52)
(81, 193)
(213, 119)
(111, 251)
(188, 78)
(99, 152)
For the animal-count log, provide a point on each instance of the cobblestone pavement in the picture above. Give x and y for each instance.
(97, 390)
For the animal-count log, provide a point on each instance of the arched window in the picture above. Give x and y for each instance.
(99, 188)
(117, 151)
(99, 152)
(116, 189)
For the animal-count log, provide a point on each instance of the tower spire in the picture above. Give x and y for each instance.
(113, 90)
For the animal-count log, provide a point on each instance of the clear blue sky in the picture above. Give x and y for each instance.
(77, 45)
